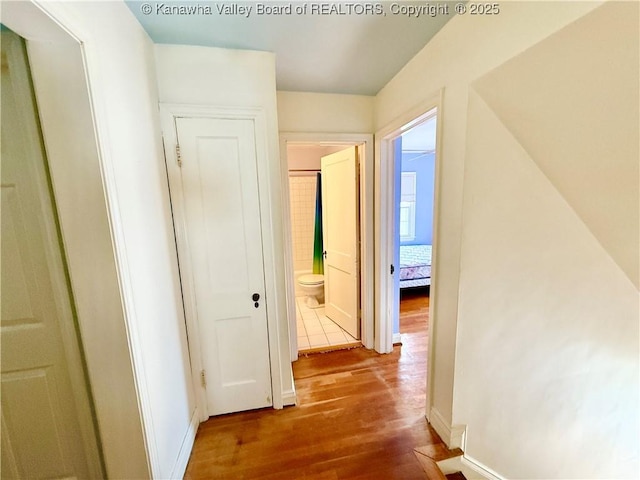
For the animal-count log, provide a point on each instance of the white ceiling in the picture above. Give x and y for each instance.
(331, 53)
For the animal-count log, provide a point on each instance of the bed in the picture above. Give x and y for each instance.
(415, 265)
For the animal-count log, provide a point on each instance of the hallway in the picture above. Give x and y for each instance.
(359, 416)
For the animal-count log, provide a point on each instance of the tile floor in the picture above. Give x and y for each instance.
(316, 331)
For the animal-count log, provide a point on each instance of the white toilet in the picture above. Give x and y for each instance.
(312, 286)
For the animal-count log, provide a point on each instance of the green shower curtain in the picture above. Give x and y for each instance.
(318, 264)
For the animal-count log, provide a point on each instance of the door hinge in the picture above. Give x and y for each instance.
(203, 378)
(178, 156)
(392, 269)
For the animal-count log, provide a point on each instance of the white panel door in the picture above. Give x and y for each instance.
(47, 430)
(221, 203)
(340, 238)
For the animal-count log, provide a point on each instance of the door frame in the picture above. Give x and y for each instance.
(366, 175)
(80, 165)
(54, 252)
(385, 212)
(168, 113)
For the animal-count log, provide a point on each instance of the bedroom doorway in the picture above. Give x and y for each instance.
(414, 152)
(388, 232)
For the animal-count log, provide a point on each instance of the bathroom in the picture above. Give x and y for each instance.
(315, 331)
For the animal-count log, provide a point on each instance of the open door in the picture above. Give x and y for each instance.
(340, 238)
(47, 430)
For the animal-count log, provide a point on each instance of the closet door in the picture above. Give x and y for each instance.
(223, 236)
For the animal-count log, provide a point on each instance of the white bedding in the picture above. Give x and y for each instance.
(415, 265)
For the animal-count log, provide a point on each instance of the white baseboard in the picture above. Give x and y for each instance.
(397, 338)
(180, 467)
(481, 469)
(452, 435)
(469, 469)
(289, 398)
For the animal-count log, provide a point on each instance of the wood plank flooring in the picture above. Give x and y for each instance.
(359, 416)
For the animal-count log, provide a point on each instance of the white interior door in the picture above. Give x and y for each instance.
(221, 206)
(340, 238)
(47, 431)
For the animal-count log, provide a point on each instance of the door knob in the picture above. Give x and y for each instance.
(255, 297)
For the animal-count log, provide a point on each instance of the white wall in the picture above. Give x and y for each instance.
(129, 304)
(79, 192)
(307, 157)
(124, 81)
(463, 50)
(324, 113)
(547, 357)
(536, 310)
(235, 78)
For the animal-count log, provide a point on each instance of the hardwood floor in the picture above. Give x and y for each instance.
(359, 416)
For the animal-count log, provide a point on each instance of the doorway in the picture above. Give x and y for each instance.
(387, 258)
(304, 151)
(414, 152)
(48, 428)
(79, 163)
(324, 206)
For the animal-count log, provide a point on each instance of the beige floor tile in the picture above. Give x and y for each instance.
(336, 338)
(349, 338)
(313, 328)
(309, 315)
(331, 327)
(319, 340)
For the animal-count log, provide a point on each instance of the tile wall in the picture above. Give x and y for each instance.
(302, 190)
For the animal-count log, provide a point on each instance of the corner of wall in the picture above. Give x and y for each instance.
(182, 460)
(289, 397)
(480, 469)
(452, 435)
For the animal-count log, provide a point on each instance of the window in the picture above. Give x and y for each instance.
(408, 207)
